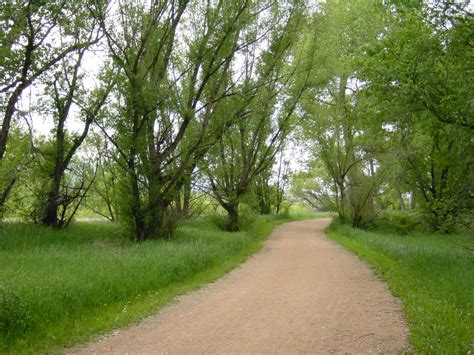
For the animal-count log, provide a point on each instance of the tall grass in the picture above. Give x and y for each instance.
(61, 287)
(434, 277)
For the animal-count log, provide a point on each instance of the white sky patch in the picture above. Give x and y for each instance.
(389, 127)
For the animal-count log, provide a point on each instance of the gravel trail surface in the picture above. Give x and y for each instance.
(301, 294)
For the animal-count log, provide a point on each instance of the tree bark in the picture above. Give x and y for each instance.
(6, 192)
(186, 212)
(50, 211)
(233, 217)
(49, 216)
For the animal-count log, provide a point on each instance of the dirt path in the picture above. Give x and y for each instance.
(301, 293)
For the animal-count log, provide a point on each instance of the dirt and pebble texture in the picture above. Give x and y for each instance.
(301, 294)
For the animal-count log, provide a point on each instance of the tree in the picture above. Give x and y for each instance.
(65, 92)
(417, 75)
(264, 192)
(263, 117)
(28, 50)
(314, 187)
(174, 61)
(335, 116)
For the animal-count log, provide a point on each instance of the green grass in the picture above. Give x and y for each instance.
(434, 277)
(60, 288)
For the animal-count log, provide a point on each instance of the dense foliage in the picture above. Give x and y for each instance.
(136, 110)
(388, 118)
(129, 135)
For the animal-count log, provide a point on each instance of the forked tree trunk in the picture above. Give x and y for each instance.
(49, 216)
(50, 211)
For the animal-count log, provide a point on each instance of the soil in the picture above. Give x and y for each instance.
(301, 294)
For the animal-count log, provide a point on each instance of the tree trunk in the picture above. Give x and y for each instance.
(279, 200)
(186, 212)
(342, 202)
(178, 205)
(6, 192)
(7, 119)
(157, 222)
(50, 211)
(136, 212)
(183, 200)
(140, 229)
(49, 216)
(357, 219)
(233, 217)
(265, 207)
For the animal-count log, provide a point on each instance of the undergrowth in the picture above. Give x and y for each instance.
(432, 274)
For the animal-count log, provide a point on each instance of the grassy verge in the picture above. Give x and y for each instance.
(432, 274)
(59, 288)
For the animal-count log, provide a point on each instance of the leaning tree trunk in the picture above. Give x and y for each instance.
(6, 192)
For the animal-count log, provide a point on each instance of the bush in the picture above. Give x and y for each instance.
(398, 222)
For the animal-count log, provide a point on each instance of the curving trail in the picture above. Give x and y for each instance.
(301, 293)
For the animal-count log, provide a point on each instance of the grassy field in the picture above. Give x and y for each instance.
(58, 288)
(432, 274)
